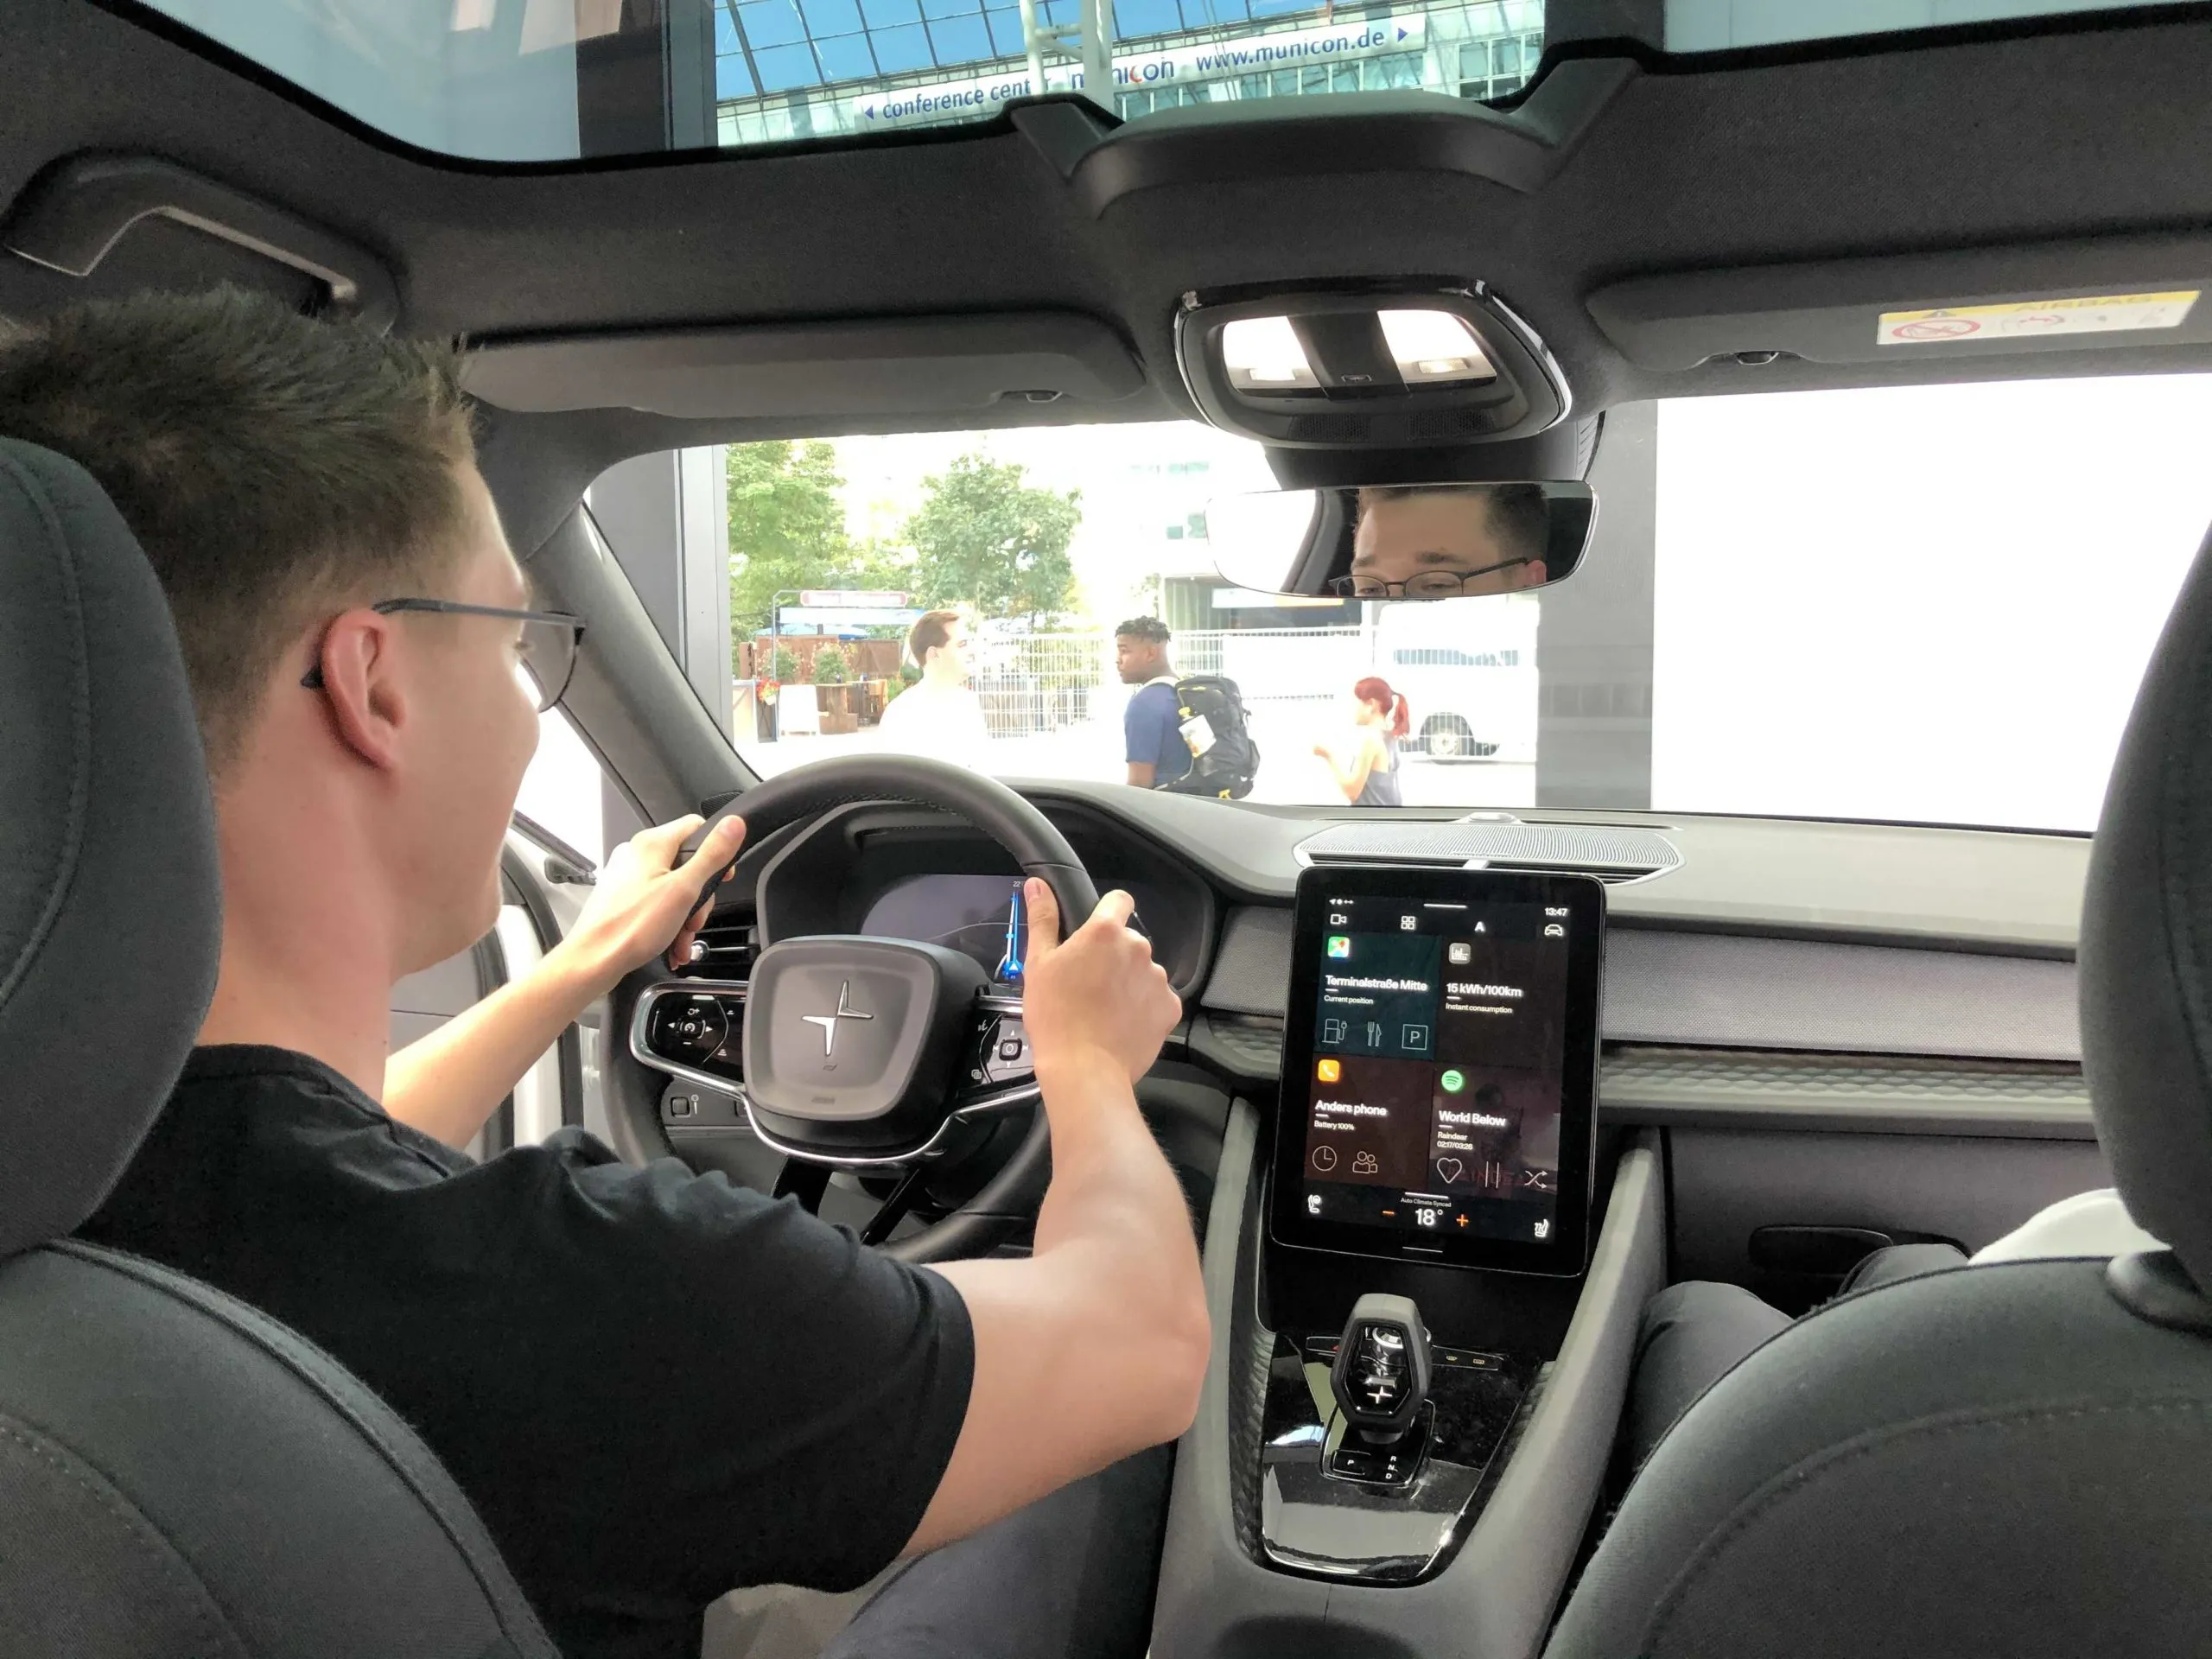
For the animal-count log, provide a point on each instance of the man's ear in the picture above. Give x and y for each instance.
(360, 686)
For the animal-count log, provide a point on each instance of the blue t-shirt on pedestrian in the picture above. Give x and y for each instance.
(1153, 729)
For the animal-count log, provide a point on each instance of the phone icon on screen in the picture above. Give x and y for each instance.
(1328, 1071)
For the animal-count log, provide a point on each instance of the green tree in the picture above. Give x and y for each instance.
(783, 667)
(787, 528)
(830, 667)
(984, 538)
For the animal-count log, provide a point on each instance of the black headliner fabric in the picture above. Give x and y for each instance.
(111, 906)
(2147, 941)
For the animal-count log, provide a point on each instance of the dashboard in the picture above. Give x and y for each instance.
(1784, 975)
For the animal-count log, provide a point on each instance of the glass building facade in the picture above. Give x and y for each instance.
(790, 69)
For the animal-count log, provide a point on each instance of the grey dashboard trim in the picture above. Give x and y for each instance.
(1738, 991)
(1733, 991)
(1735, 1088)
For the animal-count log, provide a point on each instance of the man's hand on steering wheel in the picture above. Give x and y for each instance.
(645, 904)
(1097, 998)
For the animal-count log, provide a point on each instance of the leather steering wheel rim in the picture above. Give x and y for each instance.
(1008, 1201)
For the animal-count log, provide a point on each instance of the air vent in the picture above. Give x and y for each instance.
(724, 949)
(1613, 855)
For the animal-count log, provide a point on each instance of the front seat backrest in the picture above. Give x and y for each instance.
(178, 1475)
(2009, 1460)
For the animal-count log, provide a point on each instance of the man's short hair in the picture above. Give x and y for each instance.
(931, 630)
(273, 468)
(1521, 517)
(1150, 629)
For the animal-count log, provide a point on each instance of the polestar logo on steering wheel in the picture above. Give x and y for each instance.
(829, 1021)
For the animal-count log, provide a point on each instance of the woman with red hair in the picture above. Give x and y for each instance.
(1367, 769)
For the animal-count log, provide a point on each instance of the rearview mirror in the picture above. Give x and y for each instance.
(1402, 541)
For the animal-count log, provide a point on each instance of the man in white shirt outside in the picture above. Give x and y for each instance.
(939, 715)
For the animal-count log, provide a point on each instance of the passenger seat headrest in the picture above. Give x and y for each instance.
(110, 901)
(2147, 941)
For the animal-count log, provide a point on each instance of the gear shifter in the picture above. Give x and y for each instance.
(1381, 1380)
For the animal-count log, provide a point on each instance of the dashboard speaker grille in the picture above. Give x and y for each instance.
(1609, 853)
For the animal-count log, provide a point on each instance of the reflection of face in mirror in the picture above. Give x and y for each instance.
(1430, 542)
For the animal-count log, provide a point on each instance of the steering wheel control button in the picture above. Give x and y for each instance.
(855, 1045)
(689, 1029)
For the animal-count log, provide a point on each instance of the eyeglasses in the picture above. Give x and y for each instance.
(1425, 584)
(544, 661)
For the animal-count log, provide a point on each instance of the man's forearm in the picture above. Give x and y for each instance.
(1112, 1190)
(1095, 1346)
(447, 1084)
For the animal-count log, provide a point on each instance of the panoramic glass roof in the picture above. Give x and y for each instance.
(543, 81)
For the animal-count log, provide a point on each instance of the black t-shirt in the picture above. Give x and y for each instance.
(655, 1386)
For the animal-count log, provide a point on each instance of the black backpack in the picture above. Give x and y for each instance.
(1225, 760)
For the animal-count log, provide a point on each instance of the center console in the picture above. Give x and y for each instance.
(1426, 1260)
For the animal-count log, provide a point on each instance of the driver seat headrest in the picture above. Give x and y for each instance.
(111, 899)
(2147, 941)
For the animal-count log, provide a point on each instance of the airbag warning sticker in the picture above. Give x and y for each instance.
(2106, 315)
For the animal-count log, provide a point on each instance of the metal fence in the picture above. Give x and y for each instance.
(1036, 683)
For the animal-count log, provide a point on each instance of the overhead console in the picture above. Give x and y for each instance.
(1425, 1291)
(1407, 365)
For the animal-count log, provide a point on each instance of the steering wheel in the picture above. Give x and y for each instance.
(848, 1051)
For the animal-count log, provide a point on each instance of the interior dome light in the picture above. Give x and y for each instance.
(1433, 348)
(1262, 354)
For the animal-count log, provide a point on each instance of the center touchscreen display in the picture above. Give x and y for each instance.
(1444, 1040)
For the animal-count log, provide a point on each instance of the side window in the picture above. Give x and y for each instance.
(565, 817)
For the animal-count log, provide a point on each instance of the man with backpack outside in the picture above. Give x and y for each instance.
(1151, 726)
(1187, 735)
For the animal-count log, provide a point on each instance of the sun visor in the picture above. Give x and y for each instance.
(1561, 452)
(2113, 295)
(907, 365)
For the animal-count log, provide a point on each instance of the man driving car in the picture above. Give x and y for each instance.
(654, 1386)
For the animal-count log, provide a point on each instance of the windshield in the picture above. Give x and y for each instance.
(1924, 604)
